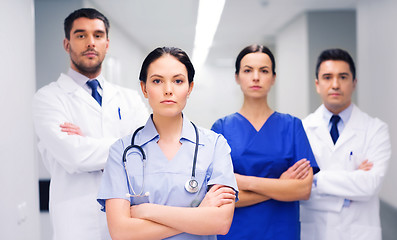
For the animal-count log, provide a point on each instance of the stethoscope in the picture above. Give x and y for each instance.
(191, 185)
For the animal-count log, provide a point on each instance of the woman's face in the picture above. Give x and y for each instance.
(255, 76)
(167, 87)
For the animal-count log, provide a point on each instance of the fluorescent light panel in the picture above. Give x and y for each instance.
(209, 14)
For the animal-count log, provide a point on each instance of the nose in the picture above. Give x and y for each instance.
(255, 76)
(335, 83)
(168, 90)
(91, 42)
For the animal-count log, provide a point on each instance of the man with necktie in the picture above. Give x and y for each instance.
(76, 119)
(352, 150)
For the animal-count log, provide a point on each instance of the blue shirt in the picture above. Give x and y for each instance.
(344, 117)
(165, 179)
(81, 80)
(278, 145)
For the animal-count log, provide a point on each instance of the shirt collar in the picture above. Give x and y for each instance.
(149, 132)
(81, 80)
(344, 115)
(188, 131)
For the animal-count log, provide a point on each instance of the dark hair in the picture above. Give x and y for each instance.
(253, 49)
(336, 54)
(87, 13)
(178, 53)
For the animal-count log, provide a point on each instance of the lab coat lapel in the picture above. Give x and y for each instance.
(352, 128)
(320, 130)
(72, 88)
(109, 91)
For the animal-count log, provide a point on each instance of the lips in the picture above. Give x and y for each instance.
(90, 53)
(168, 102)
(255, 87)
(334, 94)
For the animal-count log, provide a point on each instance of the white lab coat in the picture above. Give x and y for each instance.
(75, 162)
(324, 216)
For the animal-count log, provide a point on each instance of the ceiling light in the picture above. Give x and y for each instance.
(209, 14)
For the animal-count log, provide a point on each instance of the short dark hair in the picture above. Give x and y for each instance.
(253, 49)
(336, 54)
(87, 13)
(178, 53)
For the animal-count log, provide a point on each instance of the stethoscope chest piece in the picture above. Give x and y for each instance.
(192, 186)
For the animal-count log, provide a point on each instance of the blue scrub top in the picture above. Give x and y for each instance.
(267, 153)
(165, 179)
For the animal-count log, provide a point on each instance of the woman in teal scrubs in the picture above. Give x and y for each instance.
(271, 155)
(165, 209)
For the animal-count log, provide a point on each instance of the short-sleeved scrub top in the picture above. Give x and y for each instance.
(266, 153)
(165, 179)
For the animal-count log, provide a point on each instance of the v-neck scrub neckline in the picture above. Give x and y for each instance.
(264, 124)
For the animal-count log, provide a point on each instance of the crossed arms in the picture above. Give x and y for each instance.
(294, 184)
(153, 221)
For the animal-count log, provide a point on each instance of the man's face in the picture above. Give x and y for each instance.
(335, 85)
(87, 46)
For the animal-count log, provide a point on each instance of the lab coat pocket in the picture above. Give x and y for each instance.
(356, 159)
(125, 122)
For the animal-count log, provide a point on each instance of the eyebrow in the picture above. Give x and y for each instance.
(180, 75)
(78, 31)
(155, 75)
(248, 66)
(82, 30)
(339, 74)
(160, 76)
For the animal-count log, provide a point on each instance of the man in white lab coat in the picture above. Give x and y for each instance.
(76, 119)
(352, 150)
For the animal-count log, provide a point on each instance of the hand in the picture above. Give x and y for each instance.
(365, 165)
(217, 196)
(299, 170)
(71, 129)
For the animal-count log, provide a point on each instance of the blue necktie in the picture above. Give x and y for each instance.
(334, 129)
(93, 84)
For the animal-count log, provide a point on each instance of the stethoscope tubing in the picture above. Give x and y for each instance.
(195, 152)
(191, 185)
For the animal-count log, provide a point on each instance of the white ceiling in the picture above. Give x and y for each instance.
(154, 23)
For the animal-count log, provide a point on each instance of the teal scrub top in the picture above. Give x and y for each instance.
(165, 179)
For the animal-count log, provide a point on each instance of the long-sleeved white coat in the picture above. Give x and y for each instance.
(75, 162)
(327, 215)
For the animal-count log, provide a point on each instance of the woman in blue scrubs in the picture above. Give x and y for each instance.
(164, 208)
(272, 158)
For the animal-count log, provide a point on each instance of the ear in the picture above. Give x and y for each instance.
(107, 45)
(143, 88)
(66, 45)
(354, 83)
(317, 87)
(237, 78)
(190, 88)
(274, 79)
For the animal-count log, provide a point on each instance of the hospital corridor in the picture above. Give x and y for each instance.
(212, 33)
